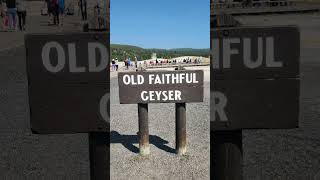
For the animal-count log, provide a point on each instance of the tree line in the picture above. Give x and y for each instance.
(122, 52)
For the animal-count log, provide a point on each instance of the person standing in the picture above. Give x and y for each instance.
(117, 64)
(145, 63)
(22, 13)
(113, 65)
(49, 10)
(136, 62)
(126, 63)
(79, 7)
(12, 13)
(83, 5)
(49, 7)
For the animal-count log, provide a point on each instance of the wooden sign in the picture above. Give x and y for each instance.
(161, 87)
(255, 78)
(255, 53)
(68, 78)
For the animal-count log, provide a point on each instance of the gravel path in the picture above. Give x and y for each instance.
(162, 163)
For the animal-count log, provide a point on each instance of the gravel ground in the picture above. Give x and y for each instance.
(290, 154)
(162, 163)
(27, 156)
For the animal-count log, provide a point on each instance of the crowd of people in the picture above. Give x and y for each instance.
(13, 15)
(56, 10)
(187, 60)
(128, 64)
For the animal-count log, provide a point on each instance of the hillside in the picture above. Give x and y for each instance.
(122, 51)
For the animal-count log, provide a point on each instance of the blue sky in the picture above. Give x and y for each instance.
(160, 23)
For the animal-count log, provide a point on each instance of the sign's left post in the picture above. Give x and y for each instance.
(144, 147)
(69, 89)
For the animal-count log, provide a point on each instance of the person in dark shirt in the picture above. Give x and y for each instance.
(49, 7)
(55, 11)
(12, 13)
(11, 4)
(22, 13)
(2, 15)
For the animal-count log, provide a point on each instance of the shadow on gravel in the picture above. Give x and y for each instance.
(128, 141)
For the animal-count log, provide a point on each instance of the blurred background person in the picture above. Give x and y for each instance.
(61, 7)
(55, 11)
(12, 13)
(22, 13)
(2, 16)
(49, 8)
(83, 6)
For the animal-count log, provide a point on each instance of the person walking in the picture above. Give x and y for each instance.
(2, 16)
(55, 11)
(61, 4)
(49, 10)
(12, 13)
(22, 13)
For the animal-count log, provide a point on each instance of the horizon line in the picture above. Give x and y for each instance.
(157, 48)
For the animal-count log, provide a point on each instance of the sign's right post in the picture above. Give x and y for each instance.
(181, 129)
(255, 84)
(181, 125)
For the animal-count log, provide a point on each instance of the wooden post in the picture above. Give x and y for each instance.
(226, 145)
(227, 155)
(181, 129)
(181, 126)
(99, 156)
(144, 147)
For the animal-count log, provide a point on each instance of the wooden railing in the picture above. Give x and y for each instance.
(253, 4)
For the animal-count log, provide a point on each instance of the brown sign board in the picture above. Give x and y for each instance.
(161, 86)
(255, 78)
(65, 58)
(68, 82)
(257, 104)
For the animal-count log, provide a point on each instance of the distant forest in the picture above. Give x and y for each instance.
(124, 51)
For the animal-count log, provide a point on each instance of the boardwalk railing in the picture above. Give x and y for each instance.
(172, 65)
(253, 4)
